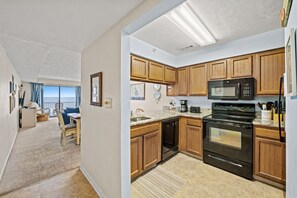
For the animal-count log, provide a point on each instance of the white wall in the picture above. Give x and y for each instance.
(149, 104)
(103, 136)
(27, 87)
(145, 50)
(260, 42)
(105, 148)
(291, 119)
(9, 122)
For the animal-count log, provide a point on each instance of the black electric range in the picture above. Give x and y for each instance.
(228, 138)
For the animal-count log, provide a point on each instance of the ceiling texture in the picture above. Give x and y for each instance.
(227, 20)
(44, 39)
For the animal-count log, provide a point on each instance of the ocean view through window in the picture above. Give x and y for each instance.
(57, 98)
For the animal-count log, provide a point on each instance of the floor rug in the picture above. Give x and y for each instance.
(158, 183)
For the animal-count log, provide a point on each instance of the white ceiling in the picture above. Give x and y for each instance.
(45, 38)
(227, 20)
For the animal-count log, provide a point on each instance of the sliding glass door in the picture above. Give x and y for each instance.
(51, 99)
(57, 98)
(67, 97)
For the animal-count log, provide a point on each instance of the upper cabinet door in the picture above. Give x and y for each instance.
(182, 77)
(270, 66)
(241, 66)
(156, 72)
(139, 68)
(198, 80)
(169, 75)
(218, 70)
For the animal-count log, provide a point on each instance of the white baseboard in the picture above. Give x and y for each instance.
(7, 157)
(92, 182)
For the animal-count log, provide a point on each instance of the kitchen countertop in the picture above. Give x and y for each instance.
(166, 114)
(269, 123)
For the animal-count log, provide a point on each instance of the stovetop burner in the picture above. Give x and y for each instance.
(236, 112)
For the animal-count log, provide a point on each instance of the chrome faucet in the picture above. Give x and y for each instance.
(138, 111)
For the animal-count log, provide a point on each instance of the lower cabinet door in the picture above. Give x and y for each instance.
(136, 156)
(151, 149)
(194, 140)
(270, 159)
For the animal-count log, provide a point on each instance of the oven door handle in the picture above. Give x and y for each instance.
(225, 123)
(226, 161)
(244, 126)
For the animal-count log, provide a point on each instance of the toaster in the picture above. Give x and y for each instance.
(195, 109)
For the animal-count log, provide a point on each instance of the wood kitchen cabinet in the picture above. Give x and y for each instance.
(156, 72)
(150, 71)
(169, 75)
(145, 148)
(190, 139)
(198, 80)
(241, 66)
(269, 155)
(217, 70)
(151, 149)
(139, 68)
(182, 81)
(269, 67)
(136, 156)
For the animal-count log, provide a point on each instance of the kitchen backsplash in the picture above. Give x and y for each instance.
(203, 102)
(149, 104)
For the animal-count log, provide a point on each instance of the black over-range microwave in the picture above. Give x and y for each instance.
(234, 89)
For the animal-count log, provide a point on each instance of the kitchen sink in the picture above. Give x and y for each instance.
(139, 119)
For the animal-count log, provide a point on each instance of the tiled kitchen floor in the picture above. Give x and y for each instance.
(210, 182)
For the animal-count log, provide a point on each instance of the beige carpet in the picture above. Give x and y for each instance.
(38, 155)
(210, 182)
(71, 184)
(158, 183)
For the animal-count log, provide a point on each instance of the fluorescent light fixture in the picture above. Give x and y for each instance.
(186, 20)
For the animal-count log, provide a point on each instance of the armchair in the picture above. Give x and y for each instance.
(42, 114)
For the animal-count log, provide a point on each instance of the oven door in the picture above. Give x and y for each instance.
(223, 90)
(229, 139)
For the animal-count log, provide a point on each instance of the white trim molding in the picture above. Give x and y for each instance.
(7, 157)
(92, 182)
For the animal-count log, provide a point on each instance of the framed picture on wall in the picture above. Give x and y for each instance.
(10, 86)
(137, 91)
(291, 73)
(96, 89)
(10, 104)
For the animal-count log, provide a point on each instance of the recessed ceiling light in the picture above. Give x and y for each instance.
(186, 20)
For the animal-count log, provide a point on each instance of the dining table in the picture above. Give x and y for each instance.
(76, 117)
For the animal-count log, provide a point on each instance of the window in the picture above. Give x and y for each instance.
(57, 98)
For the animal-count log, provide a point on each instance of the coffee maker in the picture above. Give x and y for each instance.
(183, 106)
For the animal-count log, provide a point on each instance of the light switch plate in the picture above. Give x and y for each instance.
(107, 102)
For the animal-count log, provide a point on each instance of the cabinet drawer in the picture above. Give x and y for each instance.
(271, 133)
(194, 122)
(144, 129)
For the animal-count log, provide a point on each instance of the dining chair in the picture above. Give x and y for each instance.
(69, 129)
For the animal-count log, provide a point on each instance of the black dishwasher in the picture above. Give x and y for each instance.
(170, 134)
